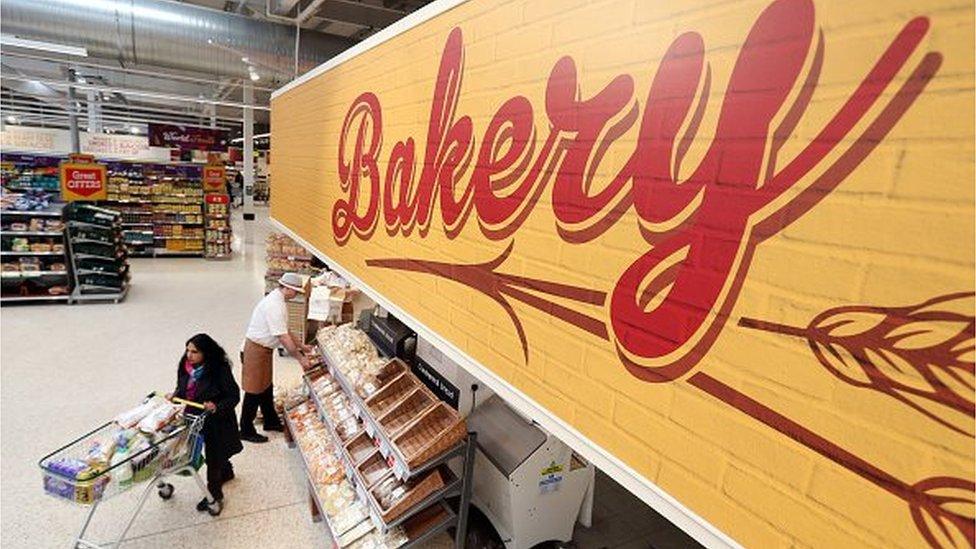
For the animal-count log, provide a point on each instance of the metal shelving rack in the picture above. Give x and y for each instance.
(457, 487)
(217, 232)
(115, 254)
(38, 274)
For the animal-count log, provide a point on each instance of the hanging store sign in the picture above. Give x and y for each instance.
(713, 250)
(188, 137)
(58, 142)
(82, 179)
(214, 179)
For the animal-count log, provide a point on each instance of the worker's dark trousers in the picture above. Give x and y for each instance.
(249, 410)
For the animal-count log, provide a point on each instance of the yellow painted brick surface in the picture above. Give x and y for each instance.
(895, 232)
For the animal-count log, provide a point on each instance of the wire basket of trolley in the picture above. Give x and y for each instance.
(155, 440)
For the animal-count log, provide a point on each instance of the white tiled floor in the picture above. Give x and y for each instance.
(66, 369)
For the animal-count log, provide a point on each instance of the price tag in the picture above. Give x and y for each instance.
(385, 450)
(400, 470)
(377, 522)
(370, 430)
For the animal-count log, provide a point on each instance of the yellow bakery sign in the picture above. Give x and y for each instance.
(731, 247)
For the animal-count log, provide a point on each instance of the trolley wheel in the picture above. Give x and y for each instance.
(165, 490)
(282, 351)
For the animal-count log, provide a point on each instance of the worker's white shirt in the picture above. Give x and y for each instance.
(269, 320)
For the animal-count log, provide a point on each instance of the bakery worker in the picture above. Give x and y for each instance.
(267, 330)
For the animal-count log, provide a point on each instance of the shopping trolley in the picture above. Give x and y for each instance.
(177, 451)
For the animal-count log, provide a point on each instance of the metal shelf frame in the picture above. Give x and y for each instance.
(33, 213)
(26, 298)
(457, 487)
(12, 253)
(51, 234)
(85, 224)
(33, 274)
(387, 448)
(311, 484)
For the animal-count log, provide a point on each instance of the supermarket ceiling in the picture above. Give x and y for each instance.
(137, 61)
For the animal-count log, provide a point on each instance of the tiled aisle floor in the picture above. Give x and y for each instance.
(66, 369)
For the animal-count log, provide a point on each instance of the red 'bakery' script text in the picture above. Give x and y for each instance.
(700, 230)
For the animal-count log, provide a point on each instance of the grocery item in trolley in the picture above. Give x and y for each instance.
(133, 448)
(132, 417)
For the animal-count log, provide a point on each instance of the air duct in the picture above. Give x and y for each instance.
(170, 35)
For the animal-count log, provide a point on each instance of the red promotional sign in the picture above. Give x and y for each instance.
(214, 179)
(217, 199)
(81, 182)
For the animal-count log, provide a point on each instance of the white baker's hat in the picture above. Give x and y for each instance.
(293, 281)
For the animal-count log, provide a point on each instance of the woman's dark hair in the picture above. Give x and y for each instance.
(213, 353)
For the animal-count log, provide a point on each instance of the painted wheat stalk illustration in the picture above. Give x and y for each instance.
(921, 355)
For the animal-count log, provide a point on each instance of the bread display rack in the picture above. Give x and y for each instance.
(98, 255)
(398, 459)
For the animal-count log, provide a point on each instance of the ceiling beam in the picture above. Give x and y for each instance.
(359, 13)
(111, 68)
(139, 93)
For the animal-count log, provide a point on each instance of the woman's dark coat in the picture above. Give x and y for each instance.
(221, 437)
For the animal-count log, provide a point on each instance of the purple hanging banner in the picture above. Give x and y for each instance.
(187, 138)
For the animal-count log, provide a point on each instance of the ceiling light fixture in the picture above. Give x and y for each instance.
(134, 130)
(8, 40)
(11, 119)
(254, 74)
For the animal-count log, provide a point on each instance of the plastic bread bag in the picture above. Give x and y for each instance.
(132, 417)
(158, 417)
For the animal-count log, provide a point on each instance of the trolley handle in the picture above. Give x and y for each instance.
(179, 400)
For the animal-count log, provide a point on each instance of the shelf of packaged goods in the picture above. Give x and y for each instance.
(164, 251)
(14, 299)
(84, 224)
(32, 274)
(32, 233)
(76, 240)
(118, 255)
(135, 225)
(128, 201)
(135, 231)
(213, 216)
(313, 487)
(373, 429)
(45, 189)
(121, 272)
(180, 237)
(12, 253)
(135, 212)
(33, 213)
(452, 487)
(190, 224)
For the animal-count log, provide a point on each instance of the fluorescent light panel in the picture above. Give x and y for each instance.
(8, 40)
